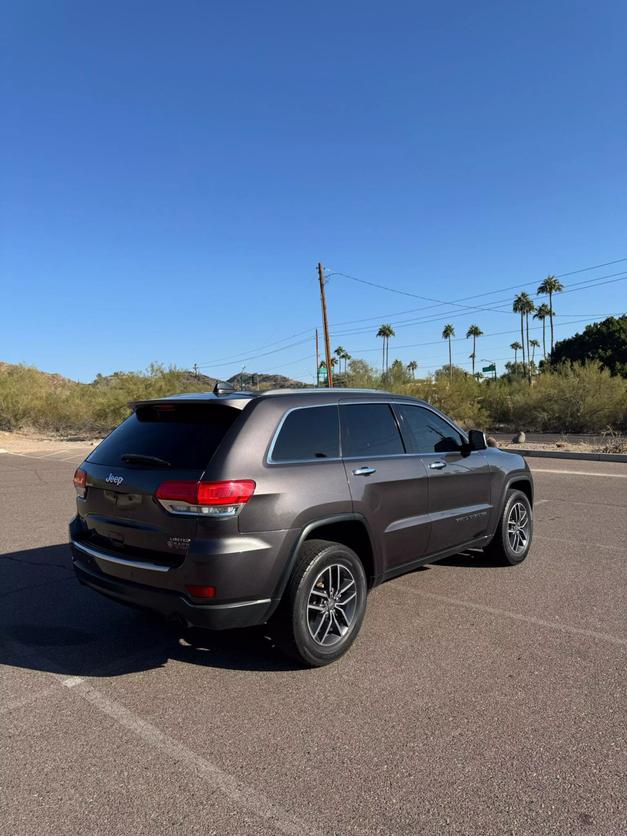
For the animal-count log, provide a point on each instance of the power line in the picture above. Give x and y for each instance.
(478, 295)
(504, 303)
(251, 355)
(255, 356)
(493, 334)
(236, 357)
(414, 295)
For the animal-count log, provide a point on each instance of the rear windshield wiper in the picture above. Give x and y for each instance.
(140, 458)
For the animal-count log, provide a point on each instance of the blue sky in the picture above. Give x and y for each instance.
(171, 174)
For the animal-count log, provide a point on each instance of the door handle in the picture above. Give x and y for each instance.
(364, 471)
(437, 465)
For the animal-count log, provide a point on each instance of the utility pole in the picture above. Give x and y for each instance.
(317, 361)
(195, 369)
(327, 345)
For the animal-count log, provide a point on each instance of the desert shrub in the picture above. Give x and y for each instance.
(31, 399)
(458, 394)
(568, 398)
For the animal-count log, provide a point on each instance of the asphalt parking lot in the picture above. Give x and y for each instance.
(477, 700)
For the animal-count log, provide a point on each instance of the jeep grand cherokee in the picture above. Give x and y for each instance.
(231, 509)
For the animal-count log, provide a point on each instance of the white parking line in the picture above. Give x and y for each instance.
(530, 619)
(580, 473)
(257, 802)
(238, 792)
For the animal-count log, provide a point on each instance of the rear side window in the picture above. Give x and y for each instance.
(184, 435)
(308, 433)
(369, 429)
(427, 432)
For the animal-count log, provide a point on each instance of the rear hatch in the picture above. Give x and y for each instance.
(159, 442)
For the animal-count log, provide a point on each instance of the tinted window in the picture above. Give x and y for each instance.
(185, 435)
(427, 432)
(308, 433)
(369, 429)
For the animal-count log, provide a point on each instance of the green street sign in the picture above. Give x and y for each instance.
(491, 368)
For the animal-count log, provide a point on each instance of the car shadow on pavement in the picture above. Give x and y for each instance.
(49, 622)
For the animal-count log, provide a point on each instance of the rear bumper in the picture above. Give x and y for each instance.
(170, 603)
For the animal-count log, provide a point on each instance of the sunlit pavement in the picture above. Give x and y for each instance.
(477, 700)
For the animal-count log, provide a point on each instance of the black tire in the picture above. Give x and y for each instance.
(506, 548)
(303, 607)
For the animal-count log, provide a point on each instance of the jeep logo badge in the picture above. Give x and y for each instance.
(114, 480)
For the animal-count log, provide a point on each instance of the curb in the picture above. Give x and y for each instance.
(559, 454)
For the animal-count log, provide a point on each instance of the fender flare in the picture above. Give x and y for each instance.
(304, 534)
(521, 476)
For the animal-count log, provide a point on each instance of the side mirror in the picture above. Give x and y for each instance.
(476, 440)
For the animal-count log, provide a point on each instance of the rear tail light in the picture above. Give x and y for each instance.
(80, 482)
(210, 499)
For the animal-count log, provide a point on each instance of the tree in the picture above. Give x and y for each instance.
(346, 357)
(411, 368)
(385, 332)
(548, 287)
(447, 334)
(604, 341)
(542, 312)
(397, 375)
(339, 352)
(534, 344)
(474, 331)
(517, 347)
(524, 306)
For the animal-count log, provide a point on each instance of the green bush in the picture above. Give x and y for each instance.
(567, 398)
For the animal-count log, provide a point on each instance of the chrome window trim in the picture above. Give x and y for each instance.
(341, 458)
(275, 436)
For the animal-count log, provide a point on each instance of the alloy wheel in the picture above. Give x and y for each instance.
(518, 528)
(331, 605)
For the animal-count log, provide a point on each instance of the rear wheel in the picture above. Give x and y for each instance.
(324, 604)
(512, 540)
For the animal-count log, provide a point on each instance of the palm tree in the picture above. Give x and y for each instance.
(339, 353)
(474, 331)
(411, 368)
(524, 306)
(517, 347)
(447, 334)
(534, 344)
(346, 357)
(385, 332)
(542, 312)
(548, 287)
(529, 309)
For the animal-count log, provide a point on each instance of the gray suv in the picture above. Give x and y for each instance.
(234, 509)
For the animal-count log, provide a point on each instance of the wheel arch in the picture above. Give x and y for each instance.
(521, 482)
(351, 530)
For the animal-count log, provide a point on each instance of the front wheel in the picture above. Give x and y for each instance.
(512, 540)
(324, 604)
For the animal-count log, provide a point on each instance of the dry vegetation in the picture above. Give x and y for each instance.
(576, 398)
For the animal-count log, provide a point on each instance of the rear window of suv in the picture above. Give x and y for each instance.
(184, 435)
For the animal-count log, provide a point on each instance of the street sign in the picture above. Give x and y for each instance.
(491, 368)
